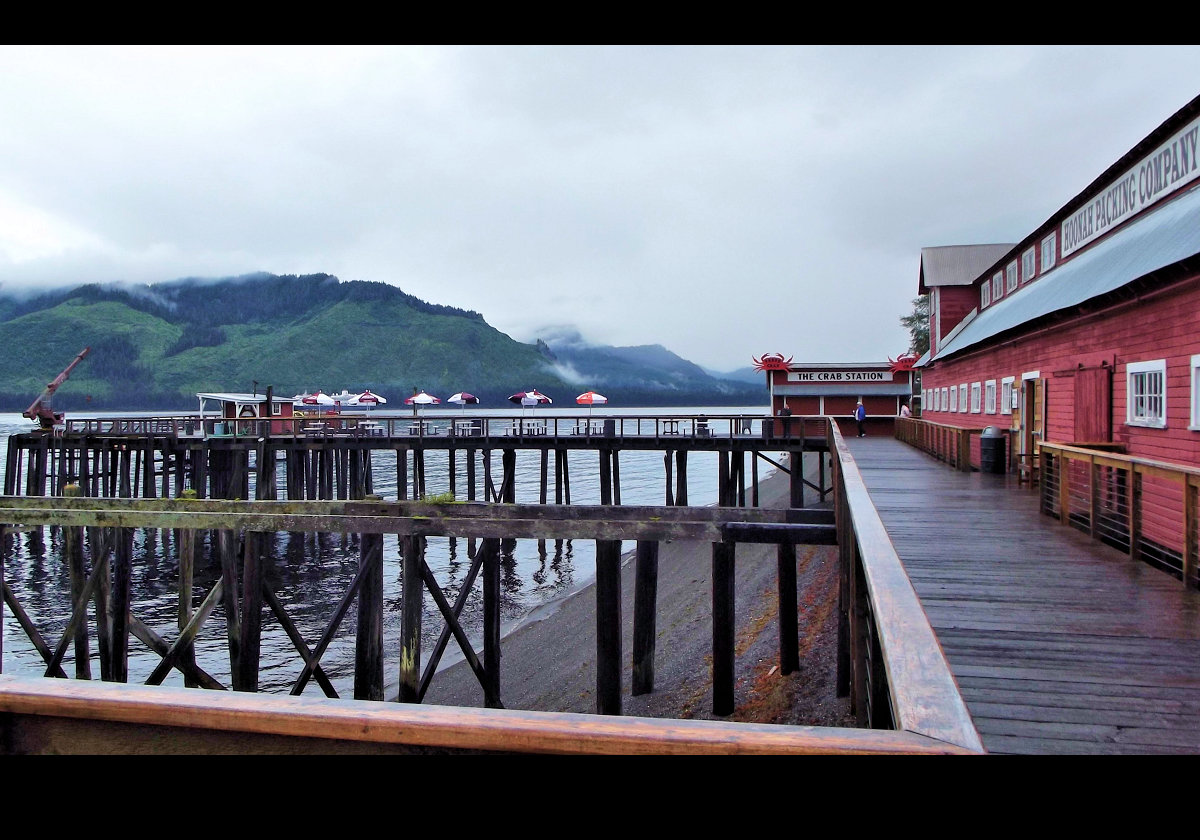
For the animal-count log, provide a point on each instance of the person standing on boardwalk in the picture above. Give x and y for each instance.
(905, 411)
(860, 414)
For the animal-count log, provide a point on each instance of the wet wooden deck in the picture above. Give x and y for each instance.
(1059, 644)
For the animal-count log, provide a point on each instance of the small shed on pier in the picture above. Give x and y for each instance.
(246, 409)
(834, 388)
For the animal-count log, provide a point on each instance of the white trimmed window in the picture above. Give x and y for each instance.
(937, 406)
(1011, 276)
(985, 294)
(1195, 380)
(975, 392)
(1049, 252)
(1028, 264)
(1146, 384)
(1006, 394)
(998, 285)
(989, 399)
(954, 398)
(945, 399)
(962, 398)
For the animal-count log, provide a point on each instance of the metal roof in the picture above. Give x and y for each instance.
(1163, 237)
(957, 265)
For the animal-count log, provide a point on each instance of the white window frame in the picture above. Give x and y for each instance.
(1011, 276)
(945, 399)
(985, 294)
(989, 400)
(998, 285)
(976, 390)
(1049, 251)
(954, 398)
(962, 398)
(1029, 264)
(1006, 392)
(1146, 389)
(1194, 378)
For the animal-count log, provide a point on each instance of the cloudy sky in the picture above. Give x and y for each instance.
(721, 201)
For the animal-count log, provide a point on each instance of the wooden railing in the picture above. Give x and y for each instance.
(890, 661)
(1147, 508)
(951, 444)
(444, 424)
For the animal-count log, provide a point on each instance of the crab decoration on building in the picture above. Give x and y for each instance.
(772, 361)
(903, 362)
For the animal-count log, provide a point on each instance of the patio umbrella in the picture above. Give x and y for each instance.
(533, 397)
(591, 398)
(317, 399)
(464, 399)
(422, 399)
(367, 398)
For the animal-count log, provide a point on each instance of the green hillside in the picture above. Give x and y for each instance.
(155, 347)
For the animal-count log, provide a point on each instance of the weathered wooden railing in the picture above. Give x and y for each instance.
(890, 661)
(951, 444)
(1146, 508)
(441, 424)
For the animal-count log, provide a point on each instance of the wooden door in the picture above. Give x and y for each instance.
(1093, 405)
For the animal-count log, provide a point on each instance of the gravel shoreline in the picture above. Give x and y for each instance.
(548, 661)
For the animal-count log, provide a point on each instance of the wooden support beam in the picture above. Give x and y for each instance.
(608, 627)
(723, 628)
(368, 649)
(645, 603)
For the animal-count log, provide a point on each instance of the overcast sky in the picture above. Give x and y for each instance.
(724, 202)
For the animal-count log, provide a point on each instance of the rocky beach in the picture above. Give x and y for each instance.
(548, 660)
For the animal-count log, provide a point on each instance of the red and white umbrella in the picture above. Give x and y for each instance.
(367, 398)
(533, 397)
(318, 398)
(464, 399)
(422, 399)
(591, 398)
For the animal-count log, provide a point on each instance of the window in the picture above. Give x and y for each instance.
(1195, 379)
(1011, 273)
(998, 285)
(1049, 252)
(945, 400)
(985, 293)
(933, 394)
(1028, 265)
(1147, 397)
(975, 397)
(1006, 394)
(962, 397)
(989, 402)
(954, 398)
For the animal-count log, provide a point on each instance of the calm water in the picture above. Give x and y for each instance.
(311, 572)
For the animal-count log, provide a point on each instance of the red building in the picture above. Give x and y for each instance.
(1086, 331)
(834, 388)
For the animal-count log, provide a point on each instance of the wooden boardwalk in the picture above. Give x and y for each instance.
(1059, 644)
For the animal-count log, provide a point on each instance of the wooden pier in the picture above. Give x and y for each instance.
(332, 458)
(1059, 643)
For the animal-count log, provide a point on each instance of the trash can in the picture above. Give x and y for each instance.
(768, 428)
(991, 450)
(610, 428)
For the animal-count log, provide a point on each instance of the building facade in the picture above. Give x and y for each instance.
(1088, 330)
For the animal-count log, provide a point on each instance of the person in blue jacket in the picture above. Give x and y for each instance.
(860, 414)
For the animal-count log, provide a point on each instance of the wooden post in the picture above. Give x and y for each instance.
(789, 626)
(410, 620)
(723, 627)
(368, 648)
(73, 552)
(187, 565)
(544, 474)
(670, 500)
(490, 549)
(681, 496)
(229, 595)
(119, 614)
(1190, 500)
(608, 627)
(251, 624)
(645, 598)
(1064, 486)
(606, 497)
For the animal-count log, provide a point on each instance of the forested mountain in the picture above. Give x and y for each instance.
(155, 347)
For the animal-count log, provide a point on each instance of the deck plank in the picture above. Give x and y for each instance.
(1060, 644)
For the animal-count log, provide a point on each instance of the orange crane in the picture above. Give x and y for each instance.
(42, 410)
